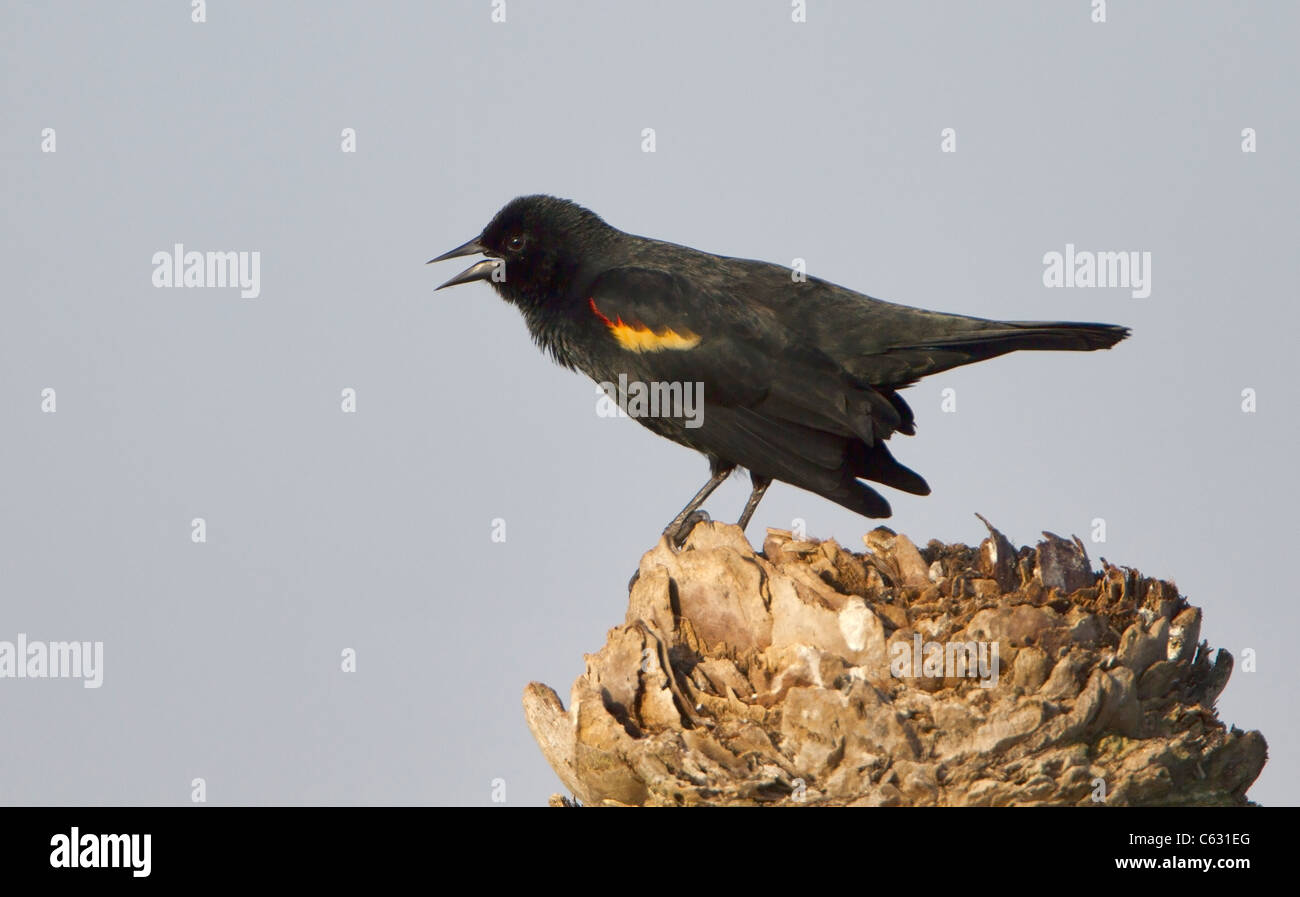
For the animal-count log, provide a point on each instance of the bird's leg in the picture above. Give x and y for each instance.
(760, 487)
(681, 526)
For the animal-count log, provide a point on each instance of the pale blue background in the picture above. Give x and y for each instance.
(372, 530)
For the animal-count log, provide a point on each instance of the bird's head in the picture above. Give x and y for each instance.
(534, 246)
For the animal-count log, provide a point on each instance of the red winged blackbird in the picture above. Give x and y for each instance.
(800, 377)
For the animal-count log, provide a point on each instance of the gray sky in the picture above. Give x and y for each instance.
(372, 531)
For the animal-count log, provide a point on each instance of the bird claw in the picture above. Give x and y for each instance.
(677, 538)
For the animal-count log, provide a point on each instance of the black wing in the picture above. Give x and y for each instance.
(773, 403)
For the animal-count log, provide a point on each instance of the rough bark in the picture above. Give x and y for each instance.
(793, 676)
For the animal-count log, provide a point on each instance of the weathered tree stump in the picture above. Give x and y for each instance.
(812, 675)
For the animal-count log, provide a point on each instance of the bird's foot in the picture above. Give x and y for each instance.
(677, 537)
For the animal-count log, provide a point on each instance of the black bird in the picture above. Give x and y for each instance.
(800, 376)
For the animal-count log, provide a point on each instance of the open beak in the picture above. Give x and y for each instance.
(478, 271)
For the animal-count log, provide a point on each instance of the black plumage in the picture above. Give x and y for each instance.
(801, 378)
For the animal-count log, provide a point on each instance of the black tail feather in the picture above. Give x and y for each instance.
(1012, 336)
(859, 497)
(877, 464)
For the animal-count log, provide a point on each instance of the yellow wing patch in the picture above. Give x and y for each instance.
(640, 338)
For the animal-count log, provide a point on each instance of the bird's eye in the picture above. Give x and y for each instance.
(515, 243)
